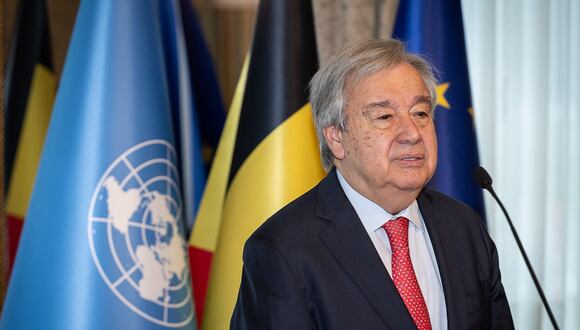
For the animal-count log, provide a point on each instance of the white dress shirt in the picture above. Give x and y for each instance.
(373, 217)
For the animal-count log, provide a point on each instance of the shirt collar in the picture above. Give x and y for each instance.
(372, 215)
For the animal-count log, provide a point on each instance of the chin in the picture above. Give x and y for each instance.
(412, 185)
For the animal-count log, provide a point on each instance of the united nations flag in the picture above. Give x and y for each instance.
(104, 245)
(135, 237)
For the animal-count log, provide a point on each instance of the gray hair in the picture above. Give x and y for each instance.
(328, 86)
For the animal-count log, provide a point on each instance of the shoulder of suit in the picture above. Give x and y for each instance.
(293, 219)
(441, 200)
(453, 210)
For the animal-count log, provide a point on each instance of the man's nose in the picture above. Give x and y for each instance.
(408, 130)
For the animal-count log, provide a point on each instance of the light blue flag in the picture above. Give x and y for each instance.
(103, 245)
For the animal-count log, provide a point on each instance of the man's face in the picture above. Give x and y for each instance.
(389, 145)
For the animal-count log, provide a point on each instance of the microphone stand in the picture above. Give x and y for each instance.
(521, 247)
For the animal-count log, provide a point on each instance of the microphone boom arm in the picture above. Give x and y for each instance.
(483, 179)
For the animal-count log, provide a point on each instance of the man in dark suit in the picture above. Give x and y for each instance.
(369, 247)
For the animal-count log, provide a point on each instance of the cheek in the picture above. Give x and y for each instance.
(359, 143)
(432, 151)
(367, 139)
(352, 141)
(430, 139)
(433, 146)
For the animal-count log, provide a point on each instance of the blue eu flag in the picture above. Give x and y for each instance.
(208, 104)
(103, 246)
(434, 28)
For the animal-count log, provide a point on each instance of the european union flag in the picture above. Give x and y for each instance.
(434, 28)
(209, 108)
(208, 99)
(104, 246)
(185, 109)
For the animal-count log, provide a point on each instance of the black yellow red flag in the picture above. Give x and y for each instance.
(273, 153)
(30, 92)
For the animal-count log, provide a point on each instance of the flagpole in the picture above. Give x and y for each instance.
(3, 245)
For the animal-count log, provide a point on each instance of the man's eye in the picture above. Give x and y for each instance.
(422, 114)
(384, 117)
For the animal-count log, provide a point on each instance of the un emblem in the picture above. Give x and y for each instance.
(135, 236)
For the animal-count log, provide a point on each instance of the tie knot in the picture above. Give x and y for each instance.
(398, 232)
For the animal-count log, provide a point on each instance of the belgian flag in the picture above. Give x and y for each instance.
(30, 92)
(268, 154)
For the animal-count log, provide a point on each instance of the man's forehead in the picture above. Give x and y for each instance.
(409, 75)
(355, 76)
(393, 104)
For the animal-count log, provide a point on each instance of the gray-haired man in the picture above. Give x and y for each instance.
(370, 247)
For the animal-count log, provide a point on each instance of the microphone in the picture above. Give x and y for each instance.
(484, 181)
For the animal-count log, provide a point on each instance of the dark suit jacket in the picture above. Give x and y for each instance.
(313, 266)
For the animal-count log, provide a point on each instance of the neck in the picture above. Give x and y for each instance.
(390, 198)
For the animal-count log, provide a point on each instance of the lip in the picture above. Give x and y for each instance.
(411, 160)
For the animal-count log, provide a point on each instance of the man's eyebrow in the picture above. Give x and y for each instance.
(421, 99)
(380, 104)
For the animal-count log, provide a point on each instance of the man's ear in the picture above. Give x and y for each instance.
(333, 137)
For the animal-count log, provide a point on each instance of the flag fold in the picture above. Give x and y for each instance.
(434, 28)
(103, 246)
(272, 153)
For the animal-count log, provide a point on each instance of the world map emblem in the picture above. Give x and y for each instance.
(135, 234)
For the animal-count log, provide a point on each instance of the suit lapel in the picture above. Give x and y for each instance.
(347, 240)
(451, 278)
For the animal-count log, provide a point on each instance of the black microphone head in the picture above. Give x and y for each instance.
(482, 177)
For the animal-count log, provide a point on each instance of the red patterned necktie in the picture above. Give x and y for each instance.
(403, 273)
